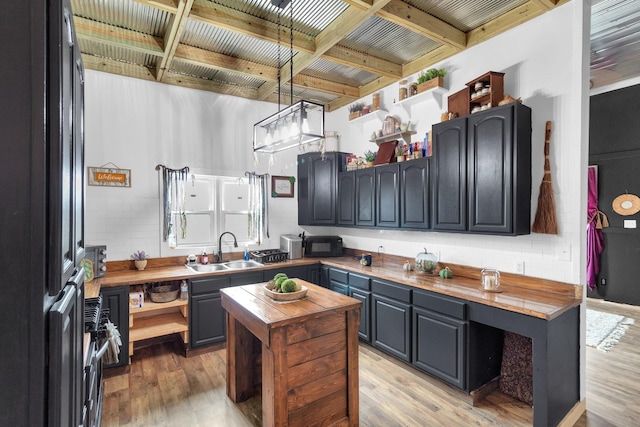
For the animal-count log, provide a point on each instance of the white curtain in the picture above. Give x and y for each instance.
(258, 207)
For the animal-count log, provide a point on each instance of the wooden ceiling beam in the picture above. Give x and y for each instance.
(172, 37)
(326, 86)
(169, 6)
(206, 58)
(243, 23)
(138, 71)
(338, 29)
(428, 60)
(362, 61)
(505, 22)
(116, 36)
(407, 16)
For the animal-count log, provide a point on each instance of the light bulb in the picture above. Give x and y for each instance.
(284, 131)
(305, 125)
(276, 134)
(268, 140)
(294, 130)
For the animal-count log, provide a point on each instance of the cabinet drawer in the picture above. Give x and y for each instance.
(338, 275)
(398, 292)
(442, 305)
(208, 285)
(359, 281)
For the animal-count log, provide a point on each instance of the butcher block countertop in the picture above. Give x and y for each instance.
(545, 299)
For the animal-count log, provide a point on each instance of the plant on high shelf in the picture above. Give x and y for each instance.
(140, 259)
(433, 77)
(399, 153)
(369, 158)
(355, 110)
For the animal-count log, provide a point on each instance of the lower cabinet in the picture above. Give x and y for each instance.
(391, 318)
(318, 275)
(207, 320)
(299, 272)
(439, 346)
(359, 288)
(440, 337)
(116, 300)
(339, 281)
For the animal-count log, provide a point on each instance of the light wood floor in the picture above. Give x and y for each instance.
(163, 388)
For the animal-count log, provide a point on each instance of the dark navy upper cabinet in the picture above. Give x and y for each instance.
(318, 187)
(449, 175)
(414, 194)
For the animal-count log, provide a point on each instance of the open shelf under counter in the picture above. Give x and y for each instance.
(158, 319)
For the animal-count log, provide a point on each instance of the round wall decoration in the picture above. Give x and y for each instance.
(626, 204)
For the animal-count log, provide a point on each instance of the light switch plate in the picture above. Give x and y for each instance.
(629, 223)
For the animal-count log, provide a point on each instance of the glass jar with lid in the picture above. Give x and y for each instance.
(491, 280)
(403, 92)
(389, 125)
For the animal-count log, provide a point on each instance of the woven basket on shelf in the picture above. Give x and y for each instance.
(164, 293)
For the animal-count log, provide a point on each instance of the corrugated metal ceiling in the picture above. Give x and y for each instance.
(234, 42)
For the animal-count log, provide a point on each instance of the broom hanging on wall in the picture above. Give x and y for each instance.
(545, 221)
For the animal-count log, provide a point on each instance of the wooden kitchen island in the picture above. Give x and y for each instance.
(305, 354)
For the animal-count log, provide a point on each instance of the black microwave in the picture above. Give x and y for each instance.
(323, 246)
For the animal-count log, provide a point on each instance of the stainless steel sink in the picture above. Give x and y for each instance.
(206, 268)
(241, 265)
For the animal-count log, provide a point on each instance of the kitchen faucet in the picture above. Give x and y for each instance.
(235, 244)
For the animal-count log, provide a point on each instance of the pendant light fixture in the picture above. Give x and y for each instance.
(298, 124)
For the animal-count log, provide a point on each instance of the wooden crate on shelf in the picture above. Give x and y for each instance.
(458, 103)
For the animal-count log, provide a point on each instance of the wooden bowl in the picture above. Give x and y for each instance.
(288, 296)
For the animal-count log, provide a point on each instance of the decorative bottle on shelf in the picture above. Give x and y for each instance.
(184, 290)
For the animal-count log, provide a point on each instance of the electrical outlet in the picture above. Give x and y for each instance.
(520, 267)
(564, 253)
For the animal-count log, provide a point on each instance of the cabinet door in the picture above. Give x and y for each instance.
(239, 279)
(365, 197)
(338, 287)
(78, 156)
(439, 346)
(364, 329)
(299, 272)
(449, 175)
(391, 326)
(207, 319)
(499, 170)
(387, 196)
(317, 188)
(116, 300)
(489, 171)
(346, 198)
(414, 194)
(60, 150)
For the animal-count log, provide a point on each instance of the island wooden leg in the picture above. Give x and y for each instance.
(239, 357)
(274, 381)
(353, 390)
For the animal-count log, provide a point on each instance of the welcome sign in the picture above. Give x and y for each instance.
(109, 177)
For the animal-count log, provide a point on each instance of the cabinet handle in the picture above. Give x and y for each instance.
(67, 21)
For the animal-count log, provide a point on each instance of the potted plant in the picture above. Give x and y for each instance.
(140, 259)
(433, 77)
(355, 110)
(399, 154)
(369, 157)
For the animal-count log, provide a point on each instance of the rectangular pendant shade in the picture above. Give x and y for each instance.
(299, 124)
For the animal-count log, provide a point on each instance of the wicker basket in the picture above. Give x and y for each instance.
(164, 293)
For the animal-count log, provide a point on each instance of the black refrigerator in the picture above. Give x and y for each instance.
(42, 216)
